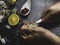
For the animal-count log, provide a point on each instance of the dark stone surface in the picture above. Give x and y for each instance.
(38, 6)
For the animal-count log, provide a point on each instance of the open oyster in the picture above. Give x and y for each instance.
(3, 10)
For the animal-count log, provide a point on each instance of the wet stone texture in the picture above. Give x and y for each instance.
(38, 6)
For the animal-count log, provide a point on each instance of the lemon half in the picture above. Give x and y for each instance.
(13, 1)
(13, 19)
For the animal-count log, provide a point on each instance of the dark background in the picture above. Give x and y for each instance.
(38, 6)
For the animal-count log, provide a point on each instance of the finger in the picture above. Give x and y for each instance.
(28, 36)
(34, 35)
(29, 26)
(24, 27)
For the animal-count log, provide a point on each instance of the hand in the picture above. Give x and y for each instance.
(52, 14)
(32, 31)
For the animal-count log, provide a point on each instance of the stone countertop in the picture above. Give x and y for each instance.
(38, 6)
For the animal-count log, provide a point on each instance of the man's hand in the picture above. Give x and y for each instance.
(31, 31)
(35, 32)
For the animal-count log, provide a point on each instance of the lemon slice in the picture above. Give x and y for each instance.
(13, 1)
(13, 19)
